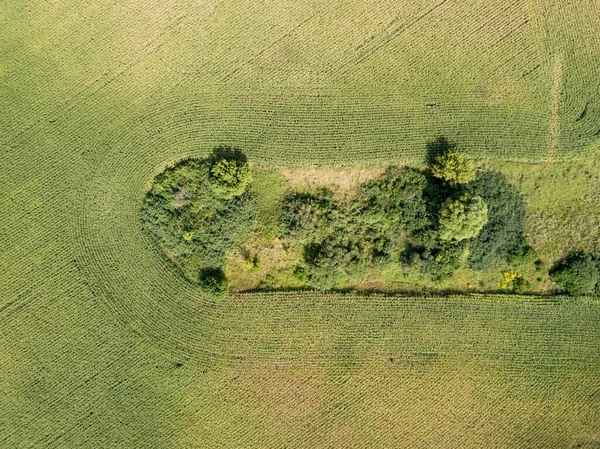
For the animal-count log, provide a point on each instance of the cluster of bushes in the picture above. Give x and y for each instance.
(198, 211)
(577, 274)
(433, 221)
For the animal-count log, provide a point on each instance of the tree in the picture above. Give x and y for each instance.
(229, 172)
(577, 273)
(213, 282)
(454, 168)
(398, 199)
(462, 218)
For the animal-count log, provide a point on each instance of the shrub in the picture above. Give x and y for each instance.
(333, 260)
(397, 200)
(308, 216)
(440, 262)
(229, 172)
(514, 281)
(522, 256)
(454, 168)
(462, 218)
(577, 273)
(503, 234)
(213, 282)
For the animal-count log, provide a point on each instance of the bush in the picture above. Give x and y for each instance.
(514, 282)
(440, 262)
(522, 256)
(213, 282)
(454, 168)
(308, 216)
(578, 273)
(333, 260)
(503, 234)
(397, 200)
(229, 172)
(462, 218)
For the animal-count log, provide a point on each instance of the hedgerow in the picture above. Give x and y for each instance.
(430, 225)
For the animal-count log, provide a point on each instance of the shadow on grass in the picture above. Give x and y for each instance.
(430, 292)
(437, 147)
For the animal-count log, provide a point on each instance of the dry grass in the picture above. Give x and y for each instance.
(342, 181)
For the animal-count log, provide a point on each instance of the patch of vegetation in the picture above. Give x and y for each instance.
(397, 200)
(462, 218)
(577, 274)
(503, 234)
(306, 217)
(426, 220)
(201, 209)
(413, 226)
(213, 282)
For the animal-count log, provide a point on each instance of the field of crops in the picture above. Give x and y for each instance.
(104, 344)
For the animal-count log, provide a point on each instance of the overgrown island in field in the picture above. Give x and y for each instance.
(226, 225)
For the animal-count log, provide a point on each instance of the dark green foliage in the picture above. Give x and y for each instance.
(213, 282)
(336, 258)
(193, 224)
(523, 256)
(434, 260)
(520, 285)
(503, 232)
(578, 273)
(308, 216)
(398, 199)
(336, 241)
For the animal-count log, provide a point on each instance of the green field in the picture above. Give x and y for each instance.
(104, 344)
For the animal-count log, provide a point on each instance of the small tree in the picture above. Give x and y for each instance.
(213, 282)
(229, 172)
(462, 218)
(454, 168)
(578, 273)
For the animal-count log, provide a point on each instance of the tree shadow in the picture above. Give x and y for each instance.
(437, 147)
(229, 153)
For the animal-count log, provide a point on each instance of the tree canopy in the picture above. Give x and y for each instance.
(462, 218)
(229, 172)
(454, 168)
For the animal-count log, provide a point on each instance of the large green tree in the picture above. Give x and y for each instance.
(462, 218)
(229, 172)
(454, 168)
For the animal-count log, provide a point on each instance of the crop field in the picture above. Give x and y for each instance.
(103, 343)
